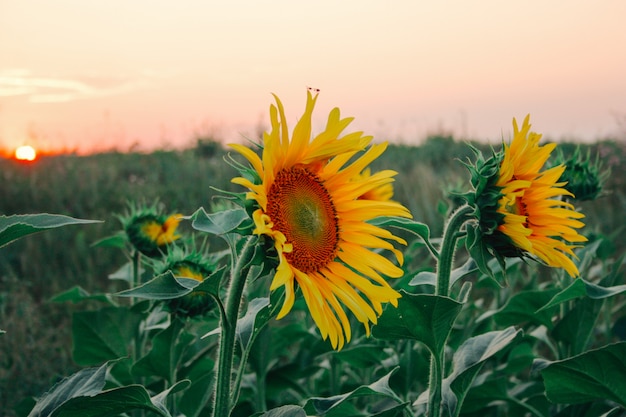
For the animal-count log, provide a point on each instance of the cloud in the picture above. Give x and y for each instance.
(60, 90)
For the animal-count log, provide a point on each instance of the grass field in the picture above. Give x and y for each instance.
(36, 350)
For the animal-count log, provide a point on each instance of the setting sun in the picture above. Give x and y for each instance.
(25, 153)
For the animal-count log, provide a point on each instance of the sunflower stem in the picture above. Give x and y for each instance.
(448, 246)
(444, 270)
(223, 384)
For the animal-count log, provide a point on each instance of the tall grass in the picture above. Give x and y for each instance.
(37, 346)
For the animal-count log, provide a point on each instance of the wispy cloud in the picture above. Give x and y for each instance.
(39, 89)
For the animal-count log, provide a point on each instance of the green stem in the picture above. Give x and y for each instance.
(223, 387)
(444, 270)
(448, 246)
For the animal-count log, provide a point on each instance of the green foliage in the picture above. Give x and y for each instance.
(594, 375)
(17, 226)
(486, 336)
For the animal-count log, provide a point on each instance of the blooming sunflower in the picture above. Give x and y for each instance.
(520, 206)
(309, 197)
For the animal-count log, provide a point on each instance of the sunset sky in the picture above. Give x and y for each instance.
(94, 75)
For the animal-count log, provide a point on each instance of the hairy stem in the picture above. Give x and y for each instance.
(223, 383)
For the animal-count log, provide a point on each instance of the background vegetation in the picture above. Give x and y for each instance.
(36, 351)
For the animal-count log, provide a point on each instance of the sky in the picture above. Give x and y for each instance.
(87, 76)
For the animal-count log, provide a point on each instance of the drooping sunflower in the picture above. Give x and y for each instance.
(309, 199)
(520, 206)
(150, 231)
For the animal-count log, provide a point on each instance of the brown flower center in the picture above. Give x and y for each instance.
(301, 208)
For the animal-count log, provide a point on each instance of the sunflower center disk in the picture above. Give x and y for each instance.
(303, 210)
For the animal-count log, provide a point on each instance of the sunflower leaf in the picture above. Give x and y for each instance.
(581, 288)
(219, 223)
(318, 405)
(283, 411)
(468, 361)
(593, 375)
(102, 335)
(420, 229)
(423, 317)
(162, 287)
(19, 225)
(77, 293)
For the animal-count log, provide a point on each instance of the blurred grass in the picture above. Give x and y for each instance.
(37, 347)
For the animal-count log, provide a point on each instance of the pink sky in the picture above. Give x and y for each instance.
(88, 75)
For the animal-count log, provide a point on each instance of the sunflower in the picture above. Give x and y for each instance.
(520, 206)
(309, 199)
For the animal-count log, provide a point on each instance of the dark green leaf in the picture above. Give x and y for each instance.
(381, 387)
(581, 288)
(256, 317)
(578, 324)
(102, 335)
(420, 229)
(77, 293)
(165, 353)
(284, 411)
(594, 375)
(117, 401)
(396, 411)
(362, 356)
(468, 361)
(19, 225)
(125, 273)
(196, 397)
(423, 317)
(218, 223)
(523, 307)
(478, 250)
(424, 278)
(118, 241)
(86, 382)
(162, 287)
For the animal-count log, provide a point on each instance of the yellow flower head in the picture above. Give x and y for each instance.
(309, 199)
(520, 206)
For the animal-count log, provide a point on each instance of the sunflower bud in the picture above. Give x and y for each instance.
(150, 231)
(583, 177)
(190, 266)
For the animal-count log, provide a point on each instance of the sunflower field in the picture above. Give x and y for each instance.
(316, 272)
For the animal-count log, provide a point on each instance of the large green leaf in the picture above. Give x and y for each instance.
(86, 382)
(167, 286)
(284, 411)
(19, 225)
(165, 353)
(102, 335)
(381, 387)
(219, 223)
(594, 375)
(423, 317)
(117, 401)
(77, 293)
(420, 229)
(81, 395)
(468, 360)
(582, 288)
(525, 307)
(430, 278)
(162, 287)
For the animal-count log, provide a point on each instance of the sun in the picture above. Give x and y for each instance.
(25, 153)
